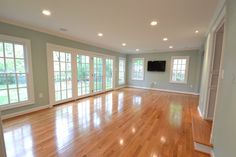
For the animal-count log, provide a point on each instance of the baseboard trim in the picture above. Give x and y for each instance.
(164, 90)
(200, 113)
(203, 148)
(117, 88)
(7, 116)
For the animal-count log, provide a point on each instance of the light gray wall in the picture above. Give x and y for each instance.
(162, 78)
(39, 59)
(224, 131)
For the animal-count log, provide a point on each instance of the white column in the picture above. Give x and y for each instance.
(2, 145)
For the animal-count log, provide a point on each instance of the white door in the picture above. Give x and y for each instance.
(62, 76)
(83, 75)
(109, 74)
(98, 74)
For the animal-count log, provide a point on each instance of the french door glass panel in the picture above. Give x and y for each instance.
(109, 74)
(83, 74)
(98, 74)
(62, 75)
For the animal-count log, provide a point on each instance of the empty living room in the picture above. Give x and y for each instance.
(124, 78)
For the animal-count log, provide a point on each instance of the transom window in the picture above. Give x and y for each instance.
(121, 71)
(138, 69)
(14, 71)
(179, 69)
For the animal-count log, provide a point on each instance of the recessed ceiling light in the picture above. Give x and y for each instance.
(197, 31)
(153, 23)
(100, 34)
(123, 44)
(165, 39)
(171, 47)
(137, 49)
(46, 12)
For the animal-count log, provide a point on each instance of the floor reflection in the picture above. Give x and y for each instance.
(175, 115)
(120, 102)
(84, 114)
(97, 102)
(108, 104)
(64, 126)
(19, 141)
(137, 100)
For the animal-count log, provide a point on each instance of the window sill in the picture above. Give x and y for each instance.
(16, 105)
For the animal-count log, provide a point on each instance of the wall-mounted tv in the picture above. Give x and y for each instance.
(156, 66)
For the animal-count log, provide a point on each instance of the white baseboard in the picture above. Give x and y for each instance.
(164, 90)
(203, 148)
(7, 116)
(199, 111)
(120, 87)
(212, 153)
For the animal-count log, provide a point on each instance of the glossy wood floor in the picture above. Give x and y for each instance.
(124, 123)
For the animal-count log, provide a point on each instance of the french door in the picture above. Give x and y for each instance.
(74, 74)
(62, 75)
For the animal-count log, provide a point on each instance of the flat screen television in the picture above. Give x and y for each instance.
(156, 66)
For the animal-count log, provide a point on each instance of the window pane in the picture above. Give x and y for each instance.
(19, 51)
(12, 81)
(23, 94)
(3, 81)
(10, 65)
(20, 66)
(56, 56)
(62, 57)
(3, 97)
(58, 95)
(9, 50)
(1, 49)
(13, 95)
(56, 66)
(22, 80)
(2, 65)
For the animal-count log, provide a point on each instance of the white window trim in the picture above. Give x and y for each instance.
(186, 72)
(28, 60)
(121, 58)
(132, 78)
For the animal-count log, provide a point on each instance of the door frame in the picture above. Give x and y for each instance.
(74, 52)
(218, 24)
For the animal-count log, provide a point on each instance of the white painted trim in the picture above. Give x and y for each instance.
(212, 153)
(2, 143)
(202, 148)
(186, 70)
(29, 72)
(199, 111)
(120, 87)
(11, 115)
(164, 90)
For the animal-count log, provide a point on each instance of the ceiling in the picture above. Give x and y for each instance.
(121, 21)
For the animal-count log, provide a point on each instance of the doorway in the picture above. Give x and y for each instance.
(215, 72)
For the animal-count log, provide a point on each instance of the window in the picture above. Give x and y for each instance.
(121, 71)
(179, 69)
(138, 69)
(15, 72)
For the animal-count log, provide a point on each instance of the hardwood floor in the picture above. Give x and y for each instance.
(124, 123)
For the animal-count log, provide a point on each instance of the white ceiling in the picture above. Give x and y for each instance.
(119, 20)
